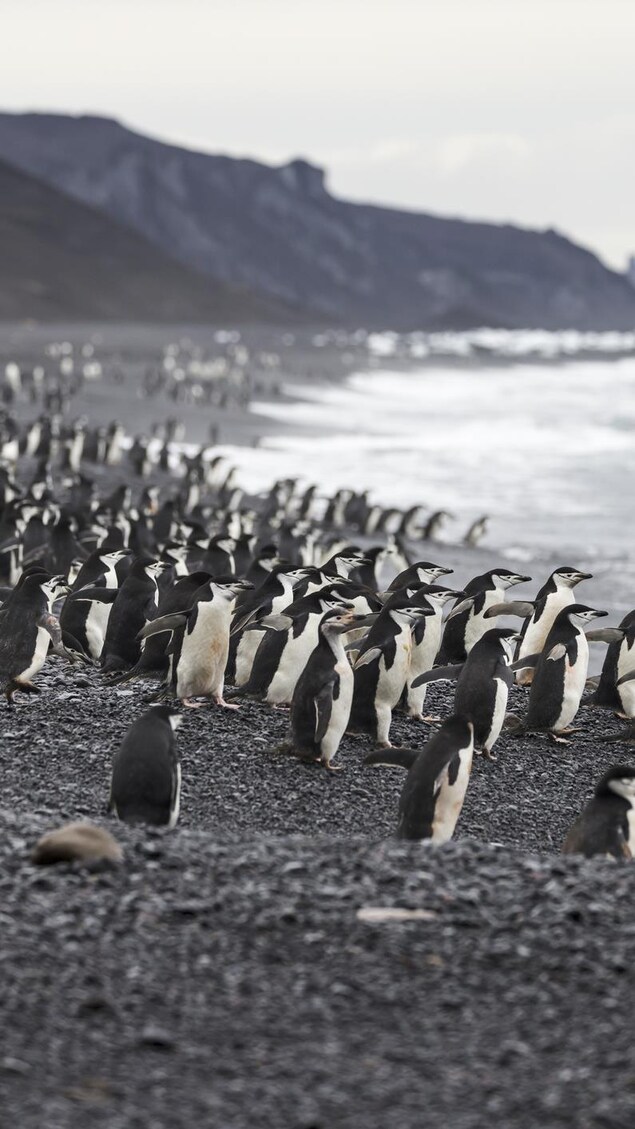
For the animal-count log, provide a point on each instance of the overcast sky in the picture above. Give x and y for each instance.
(520, 110)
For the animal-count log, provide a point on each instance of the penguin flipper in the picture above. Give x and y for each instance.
(323, 702)
(521, 608)
(605, 635)
(367, 657)
(526, 661)
(95, 595)
(463, 606)
(392, 758)
(438, 674)
(162, 623)
(628, 677)
(556, 653)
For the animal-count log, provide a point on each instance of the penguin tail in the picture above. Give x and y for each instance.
(392, 758)
(514, 725)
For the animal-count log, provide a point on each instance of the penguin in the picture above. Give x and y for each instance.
(85, 614)
(135, 604)
(616, 688)
(200, 643)
(560, 672)
(422, 572)
(27, 626)
(466, 622)
(435, 787)
(287, 644)
(426, 639)
(321, 703)
(555, 594)
(607, 824)
(275, 593)
(483, 685)
(154, 661)
(381, 669)
(145, 785)
(476, 532)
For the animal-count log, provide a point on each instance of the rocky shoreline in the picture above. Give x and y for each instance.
(223, 972)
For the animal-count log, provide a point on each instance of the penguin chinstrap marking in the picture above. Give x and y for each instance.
(560, 673)
(607, 824)
(199, 644)
(381, 669)
(435, 787)
(484, 681)
(323, 695)
(27, 627)
(146, 772)
(467, 621)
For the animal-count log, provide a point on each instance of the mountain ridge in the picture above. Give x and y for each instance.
(277, 231)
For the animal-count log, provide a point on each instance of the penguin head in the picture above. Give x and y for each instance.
(408, 612)
(503, 578)
(428, 573)
(568, 577)
(167, 713)
(54, 587)
(582, 613)
(458, 731)
(620, 780)
(438, 595)
(338, 620)
(229, 587)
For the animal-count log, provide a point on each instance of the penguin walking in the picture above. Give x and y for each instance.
(146, 771)
(27, 626)
(322, 698)
(381, 669)
(483, 685)
(200, 643)
(561, 670)
(607, 824)
(434, 791)
(467, 621)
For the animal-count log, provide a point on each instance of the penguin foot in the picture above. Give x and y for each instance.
(280, 706)
(432, 719)
(559, 740)
(225, 705)
(190, 704)
(489, 755)
(622, 716)
(331, 767)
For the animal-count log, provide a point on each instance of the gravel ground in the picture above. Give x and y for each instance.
(221, 976)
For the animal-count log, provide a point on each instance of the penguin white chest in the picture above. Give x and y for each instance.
(498, 715)
(450, 797)
(96, 625)
(573, 683)
(626, 663)
(393, 679)
(201, 665)
(340, 712)
(537, 630)
(292, 662)
(42, 641)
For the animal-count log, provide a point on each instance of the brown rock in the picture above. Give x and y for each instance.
(77, 842)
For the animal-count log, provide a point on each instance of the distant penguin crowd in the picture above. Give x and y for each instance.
(317, 606)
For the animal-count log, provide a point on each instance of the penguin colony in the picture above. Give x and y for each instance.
(192, 585)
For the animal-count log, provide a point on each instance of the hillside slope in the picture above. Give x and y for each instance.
(279, 231)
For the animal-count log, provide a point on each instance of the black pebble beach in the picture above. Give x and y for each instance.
(232, 972)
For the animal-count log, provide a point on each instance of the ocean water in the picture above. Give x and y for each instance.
(548, 452)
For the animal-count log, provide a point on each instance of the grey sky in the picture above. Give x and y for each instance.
(519, 110)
